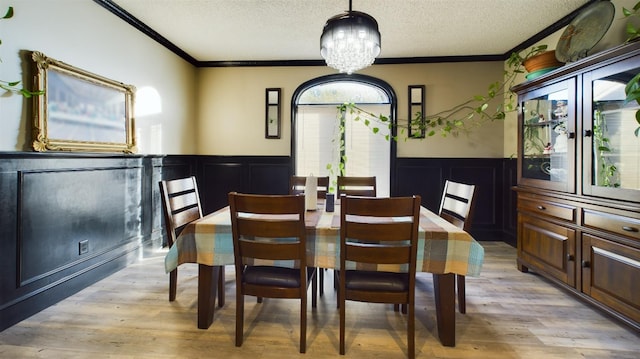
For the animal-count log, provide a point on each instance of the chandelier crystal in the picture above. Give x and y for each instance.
(350, 41)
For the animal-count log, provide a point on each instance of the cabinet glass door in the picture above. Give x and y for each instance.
(547, 131)
(611, 149)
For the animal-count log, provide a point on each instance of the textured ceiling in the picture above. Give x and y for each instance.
(273, 30)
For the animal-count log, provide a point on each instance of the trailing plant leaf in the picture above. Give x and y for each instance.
(464, 117)
(607, 175)
(12, 86)
(9, 13)
(632, 29)
(461, 118)
(632, 91)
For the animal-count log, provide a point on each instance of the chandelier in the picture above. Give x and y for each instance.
(350, 41)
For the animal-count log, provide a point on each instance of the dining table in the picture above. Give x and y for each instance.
(443, 250)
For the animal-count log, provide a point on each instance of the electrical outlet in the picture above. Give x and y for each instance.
(83, 246)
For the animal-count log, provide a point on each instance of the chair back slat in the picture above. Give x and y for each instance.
(357, 186)
(272, 228)
(187, 184)
(382, 231)
(267, 204)
(269, 250)
(182, 200)
(180, 219)
(460, 223)
(378, 253)
(373, 208)
(298, 184)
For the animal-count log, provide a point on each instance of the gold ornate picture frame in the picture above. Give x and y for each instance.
(80, 111)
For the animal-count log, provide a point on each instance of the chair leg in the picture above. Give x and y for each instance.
(462, 301)
(303, 321)
(320, 272)
(411, 330)
(173, 280)
(341, 305)
(221, 287)
(239, 317)
(314, 289)
(336, 280)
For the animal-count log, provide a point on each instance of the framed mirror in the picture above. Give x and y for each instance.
(416, 112)
(80, 111)
(272, 111)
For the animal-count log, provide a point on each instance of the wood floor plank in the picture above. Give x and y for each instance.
(509, 315)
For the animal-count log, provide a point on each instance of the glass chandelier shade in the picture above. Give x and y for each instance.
(350, 41)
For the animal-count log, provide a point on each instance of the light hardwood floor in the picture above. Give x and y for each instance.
(509, 315)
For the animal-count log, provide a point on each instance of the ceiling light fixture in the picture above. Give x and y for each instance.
(350, 41)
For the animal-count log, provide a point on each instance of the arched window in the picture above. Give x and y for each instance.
(326, 141)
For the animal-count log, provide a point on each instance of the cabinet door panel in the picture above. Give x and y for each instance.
(611, 275)
(546, 142)
(611, 151)
(549, 247)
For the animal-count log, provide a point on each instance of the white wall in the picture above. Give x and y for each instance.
(85, 35)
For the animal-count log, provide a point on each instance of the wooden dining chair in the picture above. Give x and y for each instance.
(373, 232)
(297, 185)
(181, 205)
(357, 186)
(457, 207)
(268, 230)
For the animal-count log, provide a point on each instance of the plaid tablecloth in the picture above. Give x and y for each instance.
(442, 247)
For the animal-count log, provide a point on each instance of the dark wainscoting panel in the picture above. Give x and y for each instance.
(426, 177)
(418, 176)
(56, 205)
(218, 179)
(219, 175)
(50, 203)
(510, 221)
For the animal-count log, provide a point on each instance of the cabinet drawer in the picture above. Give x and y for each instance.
(548, 208)
(626, 226)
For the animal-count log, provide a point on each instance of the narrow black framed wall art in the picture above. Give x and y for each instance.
(272, 112)
(416, 123)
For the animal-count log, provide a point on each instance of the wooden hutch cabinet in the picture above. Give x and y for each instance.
(579, 180)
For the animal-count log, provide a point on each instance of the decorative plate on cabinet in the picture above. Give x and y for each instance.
(584, 31)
